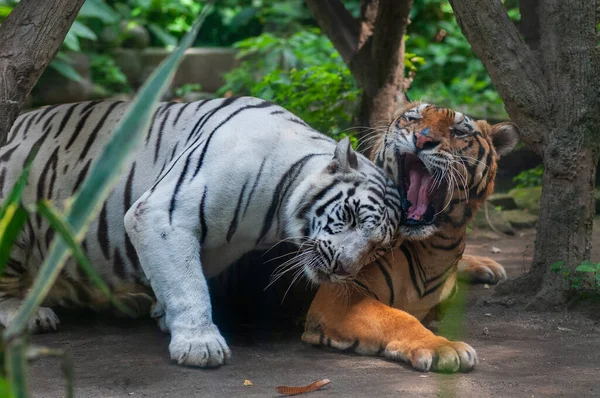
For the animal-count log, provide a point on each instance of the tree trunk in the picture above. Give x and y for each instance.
(566, 220)
(30, 37)
(373, 49)
(550, 84)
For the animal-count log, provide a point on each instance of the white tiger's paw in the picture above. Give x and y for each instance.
(45, 320)
(205, 350)
(158, 313)
(436, 354)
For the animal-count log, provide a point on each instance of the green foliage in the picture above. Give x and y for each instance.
(451, 76)
(107, 76)
(530, 178)
(586, 271)
(324, 96)
(80, 211)
(302, 72)
(167, 20)
(187, 89)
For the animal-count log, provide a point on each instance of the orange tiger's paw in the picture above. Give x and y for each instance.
(437, 354)
(478, 269)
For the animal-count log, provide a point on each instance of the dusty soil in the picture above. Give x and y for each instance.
(522, 354)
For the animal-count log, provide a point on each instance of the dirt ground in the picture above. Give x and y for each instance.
(522, 354)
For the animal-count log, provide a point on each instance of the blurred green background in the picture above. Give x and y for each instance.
(284, 55)
(269, 49)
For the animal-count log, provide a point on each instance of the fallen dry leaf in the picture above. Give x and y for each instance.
(562, 329)
(248, 383)
(285, 390)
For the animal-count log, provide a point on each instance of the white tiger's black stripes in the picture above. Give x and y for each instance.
(213, 180)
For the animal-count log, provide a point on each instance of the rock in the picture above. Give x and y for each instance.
(109, 36)
(196, 96)
(130, 63)
(54, 88)
(135, 36)
(204, 66)
(527, 198)
(503, 200)
(520, 219)
(497, 219)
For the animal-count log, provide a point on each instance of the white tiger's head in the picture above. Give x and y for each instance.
(343, 217)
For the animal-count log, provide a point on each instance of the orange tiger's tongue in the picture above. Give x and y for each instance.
(418, 192)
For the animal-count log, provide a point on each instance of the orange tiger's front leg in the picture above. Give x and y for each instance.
(366, 326)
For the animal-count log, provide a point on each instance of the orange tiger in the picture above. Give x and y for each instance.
(445, 164)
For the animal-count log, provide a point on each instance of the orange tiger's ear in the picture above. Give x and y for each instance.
(504, 137)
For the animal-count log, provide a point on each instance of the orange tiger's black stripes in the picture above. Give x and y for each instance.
(379, 314)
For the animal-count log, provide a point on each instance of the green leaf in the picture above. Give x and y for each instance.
(5, 391)
(82, 31)
(586, 266)
(100, 10)
(71, 42)
(11, 224)
(12, 214)
(555, 267)
(168, 39)
(103, 176)
(15, 194)
(5, 11)
(59, 223)
(16, 367)
(65, 69)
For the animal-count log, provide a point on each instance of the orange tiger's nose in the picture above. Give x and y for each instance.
(422, 140)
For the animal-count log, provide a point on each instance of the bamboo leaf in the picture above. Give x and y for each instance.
(11, 224)
(59, 223)
(16, 366)
(103, 176)
(17, 192)
(12, 214)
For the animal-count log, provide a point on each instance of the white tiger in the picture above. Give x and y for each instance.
(214, 180)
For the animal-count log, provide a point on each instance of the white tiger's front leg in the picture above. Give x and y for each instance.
(169, 252)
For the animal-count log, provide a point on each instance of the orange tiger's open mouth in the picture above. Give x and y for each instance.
(421, 191)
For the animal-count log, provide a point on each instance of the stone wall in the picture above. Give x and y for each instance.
(204, 66)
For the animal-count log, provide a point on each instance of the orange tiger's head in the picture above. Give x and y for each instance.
(440, 158)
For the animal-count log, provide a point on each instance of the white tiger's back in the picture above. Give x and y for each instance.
(73, 135)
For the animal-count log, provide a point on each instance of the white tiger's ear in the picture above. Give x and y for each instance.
(344, 157)
(505, 136)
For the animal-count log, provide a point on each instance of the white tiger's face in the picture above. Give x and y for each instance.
(347, 218)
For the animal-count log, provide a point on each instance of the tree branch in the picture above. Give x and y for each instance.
(338, 24)
(388, 38)
(368, 15)
(379, 64)
(530, 22)
(512, 66)
(30, 37)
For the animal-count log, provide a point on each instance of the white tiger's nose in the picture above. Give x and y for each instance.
(342, 266)
(341, 270)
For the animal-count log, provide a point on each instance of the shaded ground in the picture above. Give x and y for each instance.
(521, 355)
